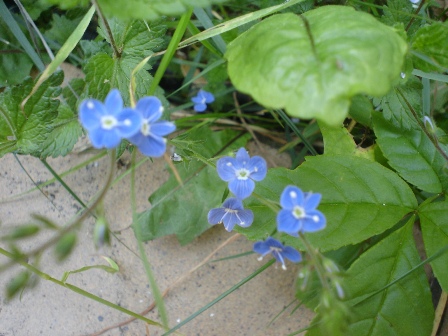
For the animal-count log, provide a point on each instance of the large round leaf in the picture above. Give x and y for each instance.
(312, 65)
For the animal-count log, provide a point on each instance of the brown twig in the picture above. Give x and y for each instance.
(165, 292)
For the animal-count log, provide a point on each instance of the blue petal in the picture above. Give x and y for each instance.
(311, 201)
(291, 196)
(230, 220)
(104, 138)
(215, 215)
(197, 100)
(309, 225)
(274, 243)
(258, 168)
(291, 254)
(242, 188)
(114, 102)
(286, 222)
(261, 248)
(150, 108)
(151, 145)
(246, 218)
(242, 157)
(226, 168)
(135, 120)
(163, 128)
(233, 203)
(90, 113)
(200, 107)
(209, 97)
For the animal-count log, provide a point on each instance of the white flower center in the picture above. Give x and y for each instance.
(242, 174)
(127, 122)
(108, 122)
(90, 105)
(146, 128)
(298, 212)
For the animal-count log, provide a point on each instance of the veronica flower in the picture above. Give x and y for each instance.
(299, 212)
(201, 100)
(241, 172)
(149, 139)
(108, 123)
(232, 213)
(279, 252)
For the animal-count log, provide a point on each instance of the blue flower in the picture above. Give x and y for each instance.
(202, 99)
(150, 139)
(108, 123)
(241, 172)
(277, 249)
(299, 212)
(231, 213)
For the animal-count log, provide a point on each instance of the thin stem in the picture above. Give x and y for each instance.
(75, 289)
(422, 126)
(71, 225)
(117, 53)
(416, 13)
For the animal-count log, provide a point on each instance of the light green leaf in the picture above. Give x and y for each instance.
(395, 104)
(61, 28)
(400, 13)
(25, 131)
(434, 223)
(65, 245)
(404, 308)
(113, 268)
(65, 133)
(312, 65)
(360, 199)
(182, 210)
(412, 154)
(431, 41)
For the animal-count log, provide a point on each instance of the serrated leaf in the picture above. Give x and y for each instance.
(61, 28)
(434, 224)
(412, 154)
(65, 134)
(136, 38)
(395, 104)
(312, 65)
(360, 199)
(25, 131)
(73, 92)
(404, 308)
(399, 12)
(431, 41)
(182, 210)
(104, 73)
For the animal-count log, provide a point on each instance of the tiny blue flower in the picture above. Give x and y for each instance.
(202, 99)
(241, 172)
(150, 139)
(108, 123)
(277, 249)
(231, 213)
(299, 212)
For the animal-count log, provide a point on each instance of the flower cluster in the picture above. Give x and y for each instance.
(107, 124)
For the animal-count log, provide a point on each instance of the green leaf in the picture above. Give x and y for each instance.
(182, 210)
(65, 134)
(404, 308)
(16, 284)
(339, 141)
(61, 28)
(23, 231)
(113, 268)
(400, 13)
(312, 65)
(25, 131)
(14, 64)
(395, 104)
(360, 199)
(412, 154)
(434, 224)
(431, 41)
(136, 38)
(65, 246)
(361, 110)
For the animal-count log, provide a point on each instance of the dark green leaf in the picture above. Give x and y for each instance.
(340, 52)
(61, 28)
(412, 154)
(404, 308)
(25, 131)
(399, 13)
(360, 199)
(65, 246)
(361, 110)
(182, 210)
(434, 223)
